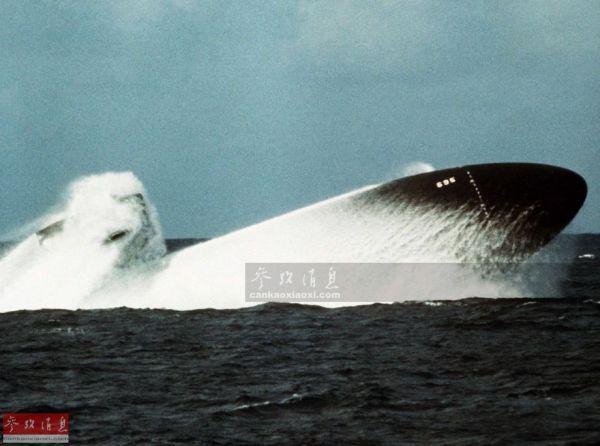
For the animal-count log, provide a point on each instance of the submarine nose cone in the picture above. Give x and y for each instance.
(568, 191)
(513, 209)
(544, 198)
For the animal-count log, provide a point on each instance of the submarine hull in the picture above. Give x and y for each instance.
(477, 216)
(519, 206)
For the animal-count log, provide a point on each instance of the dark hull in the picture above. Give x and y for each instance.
(519, 207)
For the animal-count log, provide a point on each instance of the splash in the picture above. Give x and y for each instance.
(416, 168)
(104, 226)
(103, 248)
(344, 230)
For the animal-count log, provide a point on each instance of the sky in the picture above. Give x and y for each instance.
(232, 112)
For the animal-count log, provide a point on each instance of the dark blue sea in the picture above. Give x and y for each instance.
(472, 371)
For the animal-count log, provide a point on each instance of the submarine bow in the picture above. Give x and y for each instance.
(518, 207)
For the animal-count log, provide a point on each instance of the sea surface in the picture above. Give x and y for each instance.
(471, 371)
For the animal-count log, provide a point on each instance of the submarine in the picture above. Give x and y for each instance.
(468, 217)
(509, 211)
(475, 217)
(521, 206)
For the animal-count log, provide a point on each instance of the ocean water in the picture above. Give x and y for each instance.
(471, 371)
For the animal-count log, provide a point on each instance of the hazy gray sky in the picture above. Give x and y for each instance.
(234, 111)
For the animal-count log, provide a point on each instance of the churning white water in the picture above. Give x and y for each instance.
(80, 265)
(73, 262)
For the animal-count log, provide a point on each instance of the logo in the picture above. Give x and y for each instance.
(35, 428)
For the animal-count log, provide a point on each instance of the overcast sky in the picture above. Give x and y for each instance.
(234, 111)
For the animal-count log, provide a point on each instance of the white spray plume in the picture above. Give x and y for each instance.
(416, 168)
(61, 269)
